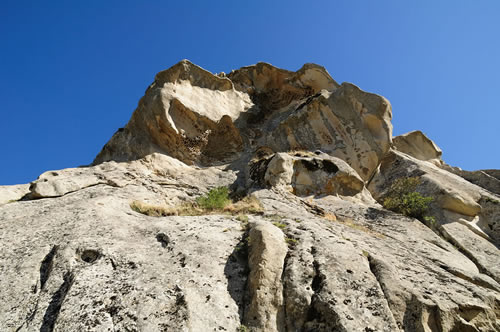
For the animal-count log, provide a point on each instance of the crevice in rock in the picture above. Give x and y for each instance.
(308, 101)
(282, 314)
(475, 281)
(313, 208)
(375, 267)
(45, 270)
(317, 282)
(112, 309)
(46, 266)
(437, 244)
(30, 197)
(466, 253)
(420, 316)
(113, 264)
(54, 307)
(236, 271)
(321, 316)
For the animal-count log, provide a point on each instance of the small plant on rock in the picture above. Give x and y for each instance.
(215, 199)
(403, 198)
(279, 225)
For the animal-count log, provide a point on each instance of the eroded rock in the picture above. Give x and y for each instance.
(305, 173)
(9, 194)
(321, 256)
(418, 145)
(266, 260)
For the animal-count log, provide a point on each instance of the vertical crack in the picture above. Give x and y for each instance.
(375, 268)
(321, 315)
(447, 237)
(282, 314)
(236, 271)
(45, 271)
(54, 308)
(316, 286)
(46, 266)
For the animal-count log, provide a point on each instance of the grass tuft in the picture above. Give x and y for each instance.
(279, 225)
(216, 201)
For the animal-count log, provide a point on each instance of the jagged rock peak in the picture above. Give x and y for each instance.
(201, 118)
(197, 76)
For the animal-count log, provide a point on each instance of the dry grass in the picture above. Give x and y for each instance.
(248, 205)
(329, 216)
(350, 223)
(162, 211)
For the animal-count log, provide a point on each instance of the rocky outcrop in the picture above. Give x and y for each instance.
(485, 179)
(418, 145)
(201, 118)
(186, 113)
(13, 193)
(463, 212)
(320, 255)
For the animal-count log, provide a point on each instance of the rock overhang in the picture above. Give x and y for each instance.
(205, 119)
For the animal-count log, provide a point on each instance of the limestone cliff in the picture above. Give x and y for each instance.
(320, 254)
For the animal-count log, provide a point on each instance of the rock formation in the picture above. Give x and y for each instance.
(322, 254)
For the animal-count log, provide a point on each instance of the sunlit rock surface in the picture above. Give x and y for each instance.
(322, 255)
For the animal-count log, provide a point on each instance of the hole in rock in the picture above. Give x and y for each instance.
(330, 167)
(89, 255)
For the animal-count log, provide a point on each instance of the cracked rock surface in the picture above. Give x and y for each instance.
(322, 255)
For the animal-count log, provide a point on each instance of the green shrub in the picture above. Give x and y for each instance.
(215, 199)
(402, 198)
(430, 221)
(279, 225)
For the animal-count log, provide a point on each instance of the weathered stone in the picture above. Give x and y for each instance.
(485, 178)
(418, 145)
(197, 117)
(455, 200)
(307, 174)
(13, 193)
(267, 251)
(347, 123)
(184, 111)
(322, 256)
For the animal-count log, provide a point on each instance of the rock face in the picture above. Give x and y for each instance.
(201, 118)
(322, 255)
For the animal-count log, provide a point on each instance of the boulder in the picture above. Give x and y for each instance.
(418, 145)
(305, 174)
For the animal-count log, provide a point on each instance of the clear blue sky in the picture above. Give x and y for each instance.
(72, 72)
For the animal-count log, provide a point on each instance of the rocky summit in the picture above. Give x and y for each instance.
(259, 200)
